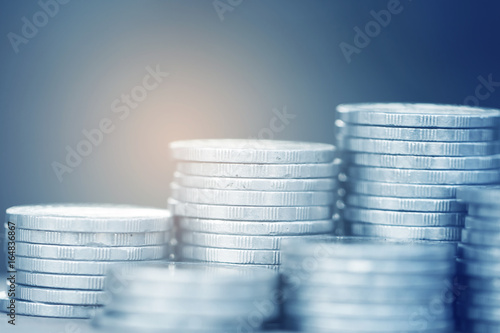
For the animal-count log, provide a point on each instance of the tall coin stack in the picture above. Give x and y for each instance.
(236, 200)
(404, 163)
(188, 297)
(479, 260)
(360, 284)
(62, 253)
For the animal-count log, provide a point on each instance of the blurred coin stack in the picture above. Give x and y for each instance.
(335, 284)
(479, 260)
(188, 297)
(236, 200)
(404, 163)
(62, 253)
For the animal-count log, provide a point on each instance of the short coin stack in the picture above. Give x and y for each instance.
(404, 163)
(236, 200)
(479, 260)
(335, 284)
(62, 253)
(188, 297)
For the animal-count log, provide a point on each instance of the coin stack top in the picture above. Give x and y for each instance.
(403, 164)
(235, 201)
(63, 251)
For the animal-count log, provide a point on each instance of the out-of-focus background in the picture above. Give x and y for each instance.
(92, 91)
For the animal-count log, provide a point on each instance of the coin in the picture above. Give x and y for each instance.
(236, 170)
(405, 204)
(419, 134)
(425, 162)
(256, 227)
(491, 314)
(481, 238)
(55, 296)
(255, 184)
(91, 239)
(485, 224)
(90, 218)
(206, 254)
(417, 219)
(87, 253)
(49, 310)
(59, 281)
(411, 176)
(478, 269)
(484, 211)
(484, 195)
(479, 253)
(250, 213)
(419, 115)
(402, 190)
(482, 298)
(66, 266)
(251, 198)
(233, 241)
(252, 151)
(417, 148)
(405, 232)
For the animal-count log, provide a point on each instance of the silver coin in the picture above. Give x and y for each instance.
(417, 148)
(233, 241)
(485, 224)
(485, 195)
(376, 280)
(417, 219)
(257, 227)
(255, 184)
(360, 311)
(60, 296)
(405, 204)
(59, 281)
(236, 170)
(252, 151)
(484, 211)
(91, 239)
(479, 253)
(478, 269)
(321, 247)
(419, 115)
(67, 267)
(206, 254)
(49, 310)
(367, 295)
(402, 190)
(250, 213)
(366, 266)
(483, 298)
(328, 324)
(413, 176)
(90, 218)
(419, 134)
(425, 162)
(404, 232)
(251, 198)
(90, 253)
(192, 273)
(480, 237)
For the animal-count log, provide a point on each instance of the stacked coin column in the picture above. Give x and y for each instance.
(404, 163)
(188, 297)
(479, 261)
(236, 200)
(62, 253)
(367, 285)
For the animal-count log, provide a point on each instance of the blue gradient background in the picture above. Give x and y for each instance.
(225, 79)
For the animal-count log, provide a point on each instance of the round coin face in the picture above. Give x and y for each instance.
(252, 151)
(90, 218)
(419, 115)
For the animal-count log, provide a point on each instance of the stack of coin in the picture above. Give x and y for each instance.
(62, 253)
(479, 260)
(404, 163)
(188, 297)
(236, 200)
(361, 284)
